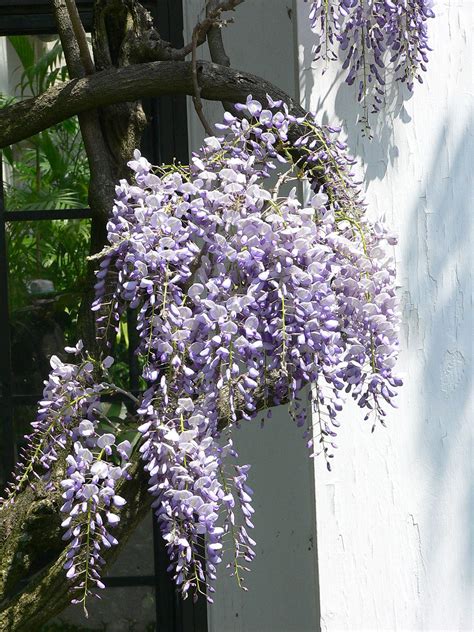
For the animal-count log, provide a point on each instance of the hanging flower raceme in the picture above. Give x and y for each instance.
(378, 41)
(71, 394)
(244, 295)
(91, 505)
(192, 484)
(68, 418)
(241, 290)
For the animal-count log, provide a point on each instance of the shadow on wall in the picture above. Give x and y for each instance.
(437, 263)
(382, 148)
(436, 271)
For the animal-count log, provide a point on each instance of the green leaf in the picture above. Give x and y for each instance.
(117, 410)
(24, 49)
(53, 154)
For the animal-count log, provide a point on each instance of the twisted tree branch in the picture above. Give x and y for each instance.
(118, 85)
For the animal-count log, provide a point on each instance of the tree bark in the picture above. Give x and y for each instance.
(119, 85)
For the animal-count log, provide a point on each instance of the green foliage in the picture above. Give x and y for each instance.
(50, 169)
(38, 72)
(47, 171)
(51, 250)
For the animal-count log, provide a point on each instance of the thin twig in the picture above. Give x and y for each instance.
(81, 37)
(122, 391)
(201, 29)
(276, 189)
(197, 89)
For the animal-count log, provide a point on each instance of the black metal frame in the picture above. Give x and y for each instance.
(165, 139)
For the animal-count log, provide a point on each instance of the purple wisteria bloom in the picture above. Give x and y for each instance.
(244, 295)
(91, 505)
(71, 395)
(240, 288)
(378, 41)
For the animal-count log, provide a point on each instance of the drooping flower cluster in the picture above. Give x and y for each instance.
(68, 417)
(377, 40)
(192, 485)
(91, 504)
(244, 296)
(71, 394)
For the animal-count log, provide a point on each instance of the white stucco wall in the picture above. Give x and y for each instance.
(394, 548)
(394, 517)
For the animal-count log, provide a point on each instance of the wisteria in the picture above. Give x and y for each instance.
(91, 505)
(378, 41)
(71, 395)
(244, 296)
(68, 417)
(240, 288)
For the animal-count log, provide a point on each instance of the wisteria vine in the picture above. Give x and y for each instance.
(377, 40)
(244, 296)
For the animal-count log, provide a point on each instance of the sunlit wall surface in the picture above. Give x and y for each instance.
(393, 518)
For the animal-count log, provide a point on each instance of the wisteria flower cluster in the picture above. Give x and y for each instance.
(377, 40)
(244, 296)
(91, 504)
(71, 395)
(68, 419)
(240, 290)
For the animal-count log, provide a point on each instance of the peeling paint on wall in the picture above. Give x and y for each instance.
(401, 500)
